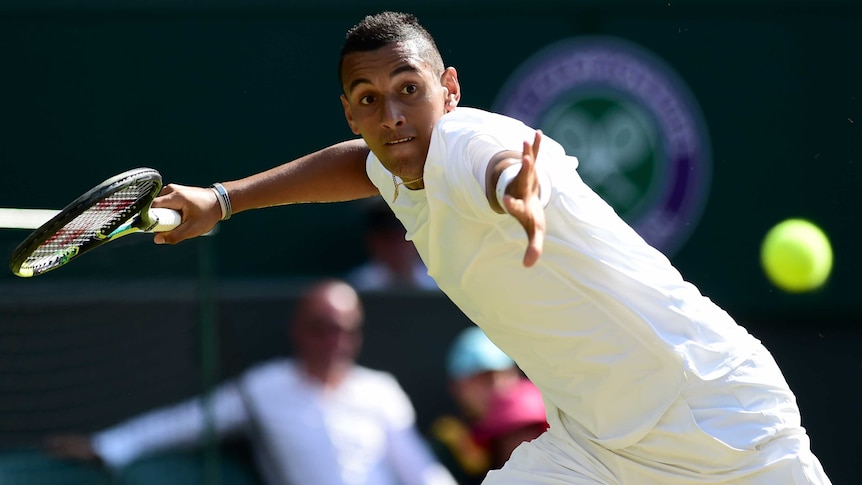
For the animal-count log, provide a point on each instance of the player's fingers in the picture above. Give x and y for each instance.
(534, 248)
(167, 189)
(171, 237)
(533, 222)
(527, 158)
(190, 228)
(536, 241)
(531, 150)
(537, 141)
(514, 206)
(199, 208)
(194, 224)
(171, 197)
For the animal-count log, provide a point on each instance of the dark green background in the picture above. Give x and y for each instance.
(212, 91)
(210, 94)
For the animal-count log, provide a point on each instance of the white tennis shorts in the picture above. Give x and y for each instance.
(741, 429)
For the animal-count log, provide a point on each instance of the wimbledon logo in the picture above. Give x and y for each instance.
(631, 121)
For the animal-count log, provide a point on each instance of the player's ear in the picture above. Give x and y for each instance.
(348, 115)
(449, 80)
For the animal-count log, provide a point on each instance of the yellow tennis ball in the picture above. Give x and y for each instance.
(796, 256)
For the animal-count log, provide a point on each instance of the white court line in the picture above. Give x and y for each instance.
(25, 218)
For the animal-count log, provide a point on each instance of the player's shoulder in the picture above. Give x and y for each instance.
(474, 120)
(461, 128)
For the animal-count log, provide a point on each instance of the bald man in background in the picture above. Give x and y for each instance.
(316, 418)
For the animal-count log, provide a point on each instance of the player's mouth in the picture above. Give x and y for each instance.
(400, 140)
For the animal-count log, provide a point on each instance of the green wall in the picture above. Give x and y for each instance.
(216, 92)
(208, 94)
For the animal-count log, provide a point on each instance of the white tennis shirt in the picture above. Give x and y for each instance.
(603, 324)
(360, 433)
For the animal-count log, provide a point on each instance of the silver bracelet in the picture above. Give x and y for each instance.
(223, 200)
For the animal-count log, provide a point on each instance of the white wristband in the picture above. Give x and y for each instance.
(506, 177)
(512, 171)
(223, 200)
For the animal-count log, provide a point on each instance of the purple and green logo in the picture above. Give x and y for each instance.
(632, 122)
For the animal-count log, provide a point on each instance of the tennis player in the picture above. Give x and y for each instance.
(646, 381)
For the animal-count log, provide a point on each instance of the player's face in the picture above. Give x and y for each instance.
(393, 100)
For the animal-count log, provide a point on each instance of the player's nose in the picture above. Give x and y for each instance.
(393, 114)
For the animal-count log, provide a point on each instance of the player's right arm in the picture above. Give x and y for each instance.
(333, 174)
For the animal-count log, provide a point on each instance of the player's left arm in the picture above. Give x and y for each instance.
(519, 193)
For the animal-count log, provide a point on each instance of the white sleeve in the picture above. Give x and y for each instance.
(480, 150)
(183, 424)
(408, 452)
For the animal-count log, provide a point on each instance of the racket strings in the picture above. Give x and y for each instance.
(96, 222)
(122, 206)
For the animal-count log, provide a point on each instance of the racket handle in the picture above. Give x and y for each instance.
(168, 219)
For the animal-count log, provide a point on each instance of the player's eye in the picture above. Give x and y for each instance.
(409, 89)
(366, 99)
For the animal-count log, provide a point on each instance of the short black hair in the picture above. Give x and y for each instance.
(385, 28)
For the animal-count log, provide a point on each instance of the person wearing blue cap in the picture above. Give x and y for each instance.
(477, 370)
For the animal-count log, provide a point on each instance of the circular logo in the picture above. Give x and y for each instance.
(636, 129)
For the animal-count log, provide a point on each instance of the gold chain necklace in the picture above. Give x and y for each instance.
(399, 184)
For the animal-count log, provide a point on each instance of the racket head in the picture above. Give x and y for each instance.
(116, 207)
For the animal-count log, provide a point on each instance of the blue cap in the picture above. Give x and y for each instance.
(472, 352)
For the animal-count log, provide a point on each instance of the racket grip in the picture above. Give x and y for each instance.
(168, 219)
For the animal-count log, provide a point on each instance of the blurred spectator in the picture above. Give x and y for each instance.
(317, 418)
(393, 262)
(477, 371)
(515, 415)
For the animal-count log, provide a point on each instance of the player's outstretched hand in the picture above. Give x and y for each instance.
(199, 207)
(523, 203)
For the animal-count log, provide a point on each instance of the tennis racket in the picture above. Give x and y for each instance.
(115, 208)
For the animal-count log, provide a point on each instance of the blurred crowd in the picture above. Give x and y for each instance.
(320, 417)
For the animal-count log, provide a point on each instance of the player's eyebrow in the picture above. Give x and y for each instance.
(398, 70)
